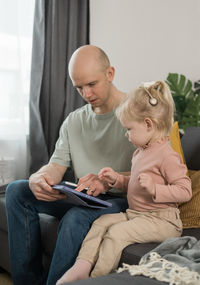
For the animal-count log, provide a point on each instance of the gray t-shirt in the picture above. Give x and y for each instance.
(91, 142)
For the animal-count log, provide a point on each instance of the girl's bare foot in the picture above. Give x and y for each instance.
(80, 270)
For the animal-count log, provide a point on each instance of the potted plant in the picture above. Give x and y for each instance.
(187, 100)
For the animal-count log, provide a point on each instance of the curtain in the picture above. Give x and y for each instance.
(16, 27)
(59, 28)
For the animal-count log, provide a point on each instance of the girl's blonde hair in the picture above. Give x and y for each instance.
(139, 105)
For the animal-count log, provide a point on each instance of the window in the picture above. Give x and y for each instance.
(16, 27)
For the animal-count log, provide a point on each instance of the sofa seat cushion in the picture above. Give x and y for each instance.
(49, 228)
(134, 252)
(192, 232)
(123, 278)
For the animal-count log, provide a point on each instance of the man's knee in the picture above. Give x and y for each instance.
(74, 217)
(15, 190)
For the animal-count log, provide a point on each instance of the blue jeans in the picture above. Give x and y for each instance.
(25, 238)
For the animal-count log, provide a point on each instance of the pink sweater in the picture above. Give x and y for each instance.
(164, 165)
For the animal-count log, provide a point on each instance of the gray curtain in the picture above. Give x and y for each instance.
(60, 26)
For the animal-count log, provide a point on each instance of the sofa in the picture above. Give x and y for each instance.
(190, 143)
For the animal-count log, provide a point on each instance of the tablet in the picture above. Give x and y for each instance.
(80, 198)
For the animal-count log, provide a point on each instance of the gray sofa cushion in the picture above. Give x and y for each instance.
(49, 227)
(123, 278)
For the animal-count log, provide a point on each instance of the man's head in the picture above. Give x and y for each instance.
(91, 73)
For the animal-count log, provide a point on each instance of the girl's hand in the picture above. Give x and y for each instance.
(147, 183)
(109, 175)
(94, 185)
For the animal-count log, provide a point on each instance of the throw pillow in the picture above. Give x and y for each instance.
(190, 211)
(176, 142)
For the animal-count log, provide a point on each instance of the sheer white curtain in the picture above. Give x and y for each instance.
(16, 26)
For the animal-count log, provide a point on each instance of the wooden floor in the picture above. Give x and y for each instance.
(5, 279)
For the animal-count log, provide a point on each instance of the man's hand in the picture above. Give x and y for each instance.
(40, 184)
(109, 175)
(147, 183)
(94, 185)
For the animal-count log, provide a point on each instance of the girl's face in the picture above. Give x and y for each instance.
(139, 133)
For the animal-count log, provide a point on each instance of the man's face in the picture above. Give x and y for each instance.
(92, 84)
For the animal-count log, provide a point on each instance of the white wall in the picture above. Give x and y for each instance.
(147, 39)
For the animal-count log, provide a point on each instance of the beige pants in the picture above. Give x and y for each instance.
(111, 233)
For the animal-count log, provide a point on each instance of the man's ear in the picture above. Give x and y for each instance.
(110, 73)
(149, 124)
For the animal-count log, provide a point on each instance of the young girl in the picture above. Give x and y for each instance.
(157, 183)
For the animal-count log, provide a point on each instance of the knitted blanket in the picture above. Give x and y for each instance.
(176, 261)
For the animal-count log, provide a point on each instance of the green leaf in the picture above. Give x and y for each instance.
(187, 100)
(188, 88)
(197, 87)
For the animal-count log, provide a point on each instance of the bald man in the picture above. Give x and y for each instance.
(90, 138)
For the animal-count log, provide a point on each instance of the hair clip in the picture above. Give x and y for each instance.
(153, 101)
